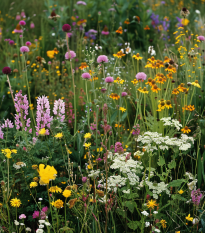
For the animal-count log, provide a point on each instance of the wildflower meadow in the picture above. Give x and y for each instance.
(102, 116)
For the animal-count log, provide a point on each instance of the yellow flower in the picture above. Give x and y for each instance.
(50, 54)
(66, 193)
(151, 204)
(189, 218)
(15, 202)
(55, 189)
(87, 145)
(58, 135)
(163, 222)
(119, 54)
(33, 184)
(7, 153)
(99, 149)
(122, 109)
(175, 92)
(185, 22)
(196, 84)
(180, 191)
(137, 56)
(186, 129)
(34, 166)
(168, 104)
(46, 174)
(58, 204)
(42, 132)
(87, 135)
(144, 90)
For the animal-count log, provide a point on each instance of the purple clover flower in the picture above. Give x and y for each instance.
(22, 216)
(196, 196)
(24, 49)
(70, 55)
(123, 94)
(141, 76)
(59, 109)
(22, 106)
(86, 76)
(28, 43)
(43, 117)
(109, 79)
(118, 148)
(102, 59)
(22, 23)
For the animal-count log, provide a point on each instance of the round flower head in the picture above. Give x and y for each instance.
(22, 216)
(84, 179)
(102, 58)
(18, 29)
(105, 31)
(141, 76)
(109, 79)
(86, 76)
(66, 28)
(22, 23)
(123, 94)
(28, 43)
(201, 38)
(81, 3)
(32, 25)
(6, 70)
(18, 17)
(24, 49)
(70, 55)
(11, 42)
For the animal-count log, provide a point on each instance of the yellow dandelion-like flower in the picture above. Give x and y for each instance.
(180, 191)
(58, 204)
(58, 135)
(122, 109)
(46, 174)
(189, 218)
(87, 145)
(163, 222)
(186, 129)
(42, 132)
(66, 193)
(33, 184)
(15, 202)
(55, 189)
(151, 204)
(87, 135)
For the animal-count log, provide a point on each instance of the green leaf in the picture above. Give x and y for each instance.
(176, 183)
(172, 164)
(114, 115)
(199, 168)
(130, 205)
(161, 161)
(123, 116)
(134, 225)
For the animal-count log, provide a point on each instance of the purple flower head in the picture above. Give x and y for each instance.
(22, 23)
(70, 55)
(32, 25)
(105, 33)
(201, 38)
(66, 28)
(28, 43)
(123, 94)
(24, 49)
(112, 9)
(118, 148)
(86, 76)
(84, 179)
(103, 90)
(36, 214)
(73, 23)
(22, 216)
(93, 126)
(141, 76)
(81, 3)
(109, 79)
(43, 215)
(99, 159)
(136, 130)
(18, 17)
(6, 70)
(45, 209)
(1, 133)
(49, 62)
(196, 196)
(102, 59)
(22, 106)
(11, 42)
(23, 13)
(7, 124)
(163, 2)
(69, 34)
(92, 31)
(43, 117)
(59, 109)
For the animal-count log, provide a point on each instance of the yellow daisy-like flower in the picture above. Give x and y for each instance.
(34, 166)
(168, 104)
(15, 202)
(180, 191)
(122, 109)
(163, 222)
(14, 151)
(119, 54)
(66, 193)
(155, 88)
(87, 135)
(55, 189)
(175, 92)
(7, 153)
(46, 174)
(137, 57)
(151, 204)
(189, 218)
(58, 204)
(143, 90)
(87, 145)
(33, 184)
(134, 81)
(58, 135)
(196, 84)
(42, 132)
(186, 129)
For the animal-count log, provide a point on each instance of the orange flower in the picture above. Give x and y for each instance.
(134, 81)
(83, 65)
(155, 88)
(170, 68)
(166, 59)
(137, 57)
(149, 81)
(152, 59)
(114, 96)
(119, 30)
(147, 28)
(175, 92)
(169, 75)
(119, 54)
(72, 202)
(186, 129)
(127, 21)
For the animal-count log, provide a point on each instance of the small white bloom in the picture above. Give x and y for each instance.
(145, 213)
(16, 222)
(40, 199)
(41, 221)
(147, 224)
(39, 231)
(155, 212)
(47, 224)
(41, 226)
(53, 34)
(28, 229)
(195, 221)
(197, 11)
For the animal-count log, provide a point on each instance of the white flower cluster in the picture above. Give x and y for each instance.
(157, 188)
(192, 184)
(155, 141)
(171, 122)
(18, 165)
(94, 174)
(151, 51)
(128, 168)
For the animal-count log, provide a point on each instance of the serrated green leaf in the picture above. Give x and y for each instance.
(176, 183)
(172, 164)
(161, 161)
